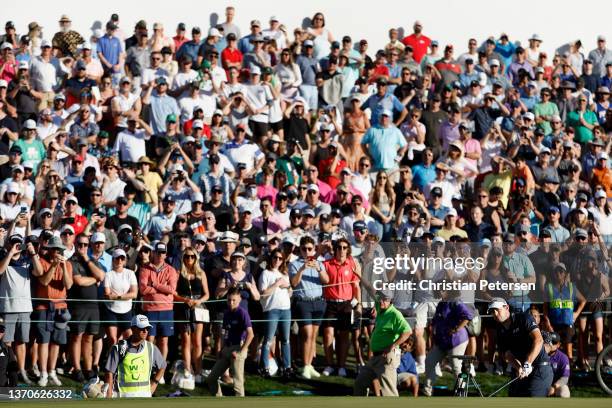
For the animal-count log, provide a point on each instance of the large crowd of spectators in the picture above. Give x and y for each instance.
(154, 172)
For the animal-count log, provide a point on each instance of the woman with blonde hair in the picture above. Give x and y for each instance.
(192, 290)
(382, 202)
(356, 123)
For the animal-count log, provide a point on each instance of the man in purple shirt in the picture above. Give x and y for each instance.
(450, 336)
(238, 334)
(560, 365)
(520, 63)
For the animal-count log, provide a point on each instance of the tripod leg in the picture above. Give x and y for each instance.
(477, 386)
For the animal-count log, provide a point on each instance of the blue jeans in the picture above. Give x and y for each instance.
(311, 94)
(282, 319)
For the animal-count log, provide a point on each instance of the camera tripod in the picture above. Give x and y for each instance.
(462, 384)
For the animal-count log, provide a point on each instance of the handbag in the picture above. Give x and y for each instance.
(201, 314)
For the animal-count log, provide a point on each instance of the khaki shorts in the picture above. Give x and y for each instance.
(423, 312)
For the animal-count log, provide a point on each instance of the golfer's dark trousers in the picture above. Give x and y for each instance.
(536, 385)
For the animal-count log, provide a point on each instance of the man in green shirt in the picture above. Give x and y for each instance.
(583, 120)
(33, 149)
(545, 110)
(391, 330)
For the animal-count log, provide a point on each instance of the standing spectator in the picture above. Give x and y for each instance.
(121, 287)
(417, 41)
(87, 275)
(309, 306)
(340, 293)
(192, 289)
(53, 284)
(67, 40)
(17, 269)
(157, 283)
(111, 52)
(275, 290)
(601, 56)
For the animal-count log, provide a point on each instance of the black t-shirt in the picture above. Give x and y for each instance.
(80, 268)
(25, 102)
(296, 129)
(115, 222)
(517, 339)
(432, 122)
(223, 214)
(252, 234)
(83, 193)
(10, 124)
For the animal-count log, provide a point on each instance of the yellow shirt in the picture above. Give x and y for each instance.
(154, 183)
(502, 180)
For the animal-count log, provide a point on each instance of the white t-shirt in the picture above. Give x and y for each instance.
(208, 103)
(131, 146)
(113, 189)
(120, 283)
(258, 96)
(125, 102)
(280, 298)
(42, 74)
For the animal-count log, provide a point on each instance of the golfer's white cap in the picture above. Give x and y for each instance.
(497, 303)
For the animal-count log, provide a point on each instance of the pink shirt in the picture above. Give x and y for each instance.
(264, 191)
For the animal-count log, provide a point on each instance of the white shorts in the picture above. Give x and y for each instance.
(423, 312)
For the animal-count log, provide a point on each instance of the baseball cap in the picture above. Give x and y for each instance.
(119, 252)
(98, 237)
(496, 303)
(140, 321)
(161, 247)
(359, 226)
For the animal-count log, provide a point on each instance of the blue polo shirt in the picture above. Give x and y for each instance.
(244, 44)
(378, 104)
(383, 146)
(190, 48)
(110, 47)
(161, 107)
(310, 284)
(423, 175)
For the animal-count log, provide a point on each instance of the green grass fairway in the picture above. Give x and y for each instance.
(335, 402)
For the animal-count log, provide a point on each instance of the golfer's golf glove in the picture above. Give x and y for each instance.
(527, 369)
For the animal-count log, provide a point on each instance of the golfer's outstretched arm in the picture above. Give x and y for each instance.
(538, 342)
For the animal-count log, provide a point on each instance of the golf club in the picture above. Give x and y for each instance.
(503, 386)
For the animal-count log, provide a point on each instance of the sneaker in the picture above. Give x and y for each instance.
(162, 381)
(305, 373)
(44, 380)
(472, 370)
(499, 370)
(35, 371)
(439, 372)
(288, 373)
(420, 368)
(313, 373)
(78, 376)
(427, 390)
(54, 380)
(265, 373)
(327, 371)
(188, 375)
(198, 379)
(342, 372)
(24, 377)
(205, 373)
